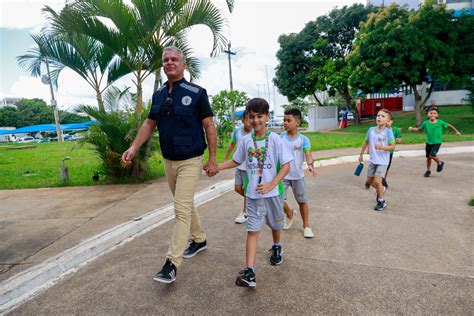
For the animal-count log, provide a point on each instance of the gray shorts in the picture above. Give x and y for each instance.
(240, 176)
(299, 189)
(376, 170)
(270, 209)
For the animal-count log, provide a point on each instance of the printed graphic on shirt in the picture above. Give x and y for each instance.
(262, 162)
(186, 100)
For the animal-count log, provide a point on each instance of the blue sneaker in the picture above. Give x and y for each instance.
(246, 278)
(167, 273)
(275, 257)
(194, 248)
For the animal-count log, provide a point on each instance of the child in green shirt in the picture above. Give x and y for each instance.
(434, 138)
(398, 139)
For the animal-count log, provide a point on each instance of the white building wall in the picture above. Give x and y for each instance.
(457, 4)
(451, 97)
(322, 118)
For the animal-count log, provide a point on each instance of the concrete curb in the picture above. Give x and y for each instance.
(396, 154)
(26, 284)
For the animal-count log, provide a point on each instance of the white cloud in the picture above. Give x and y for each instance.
(25, 14)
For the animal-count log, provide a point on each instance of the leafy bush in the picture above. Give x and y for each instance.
(110, 137)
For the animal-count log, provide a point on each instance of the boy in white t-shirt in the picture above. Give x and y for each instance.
(240, 172)
(380, 141)
(300, 146)
(267, 163)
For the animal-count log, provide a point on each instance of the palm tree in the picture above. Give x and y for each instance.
(85, 56)
(32, 62)
(138, 33)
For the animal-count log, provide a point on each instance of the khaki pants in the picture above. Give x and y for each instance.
(183, 176)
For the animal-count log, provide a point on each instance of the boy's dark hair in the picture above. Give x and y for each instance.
(257, 105)
(432, 108)
(390, 116)
(244, 114)
(295, 112)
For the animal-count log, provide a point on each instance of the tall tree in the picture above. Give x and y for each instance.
(222, 105)
(315, 59)
(137, 33)
(396, 46)
(294, 66)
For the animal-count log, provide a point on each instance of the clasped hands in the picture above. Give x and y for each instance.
(211, 168)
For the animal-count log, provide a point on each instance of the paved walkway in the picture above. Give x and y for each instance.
(415, 257)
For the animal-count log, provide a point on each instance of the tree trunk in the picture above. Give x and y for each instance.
(429, 94)
(317, 100)
(157, 79)
(347, 98)
(418, 104)
(139, 109)
(100, 102)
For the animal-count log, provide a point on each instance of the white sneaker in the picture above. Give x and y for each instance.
(289, 222)
(308, 233)
(242, 218)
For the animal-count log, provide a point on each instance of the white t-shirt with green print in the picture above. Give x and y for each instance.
(277, 155)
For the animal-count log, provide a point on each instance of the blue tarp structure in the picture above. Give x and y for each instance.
(48, 128)
(458, 13)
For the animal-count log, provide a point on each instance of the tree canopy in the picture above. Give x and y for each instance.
(397, 46)
(33, 112)
(315, 59)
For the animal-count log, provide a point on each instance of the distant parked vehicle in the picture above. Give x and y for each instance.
(27, 139)
(275, 122)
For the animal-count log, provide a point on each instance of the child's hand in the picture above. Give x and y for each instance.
(312, 170)
(458, 133)
(264, 188)
(378, 146)
(361, 157)
(410, 129)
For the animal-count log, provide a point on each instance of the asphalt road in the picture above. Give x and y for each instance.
(413, 258)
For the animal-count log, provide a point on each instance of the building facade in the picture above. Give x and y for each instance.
(411, 4)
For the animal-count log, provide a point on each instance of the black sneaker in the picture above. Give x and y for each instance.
(440, 167)
(194, 248)
(246, 278)
(381, 205)
(275, 257)
(427, 174)
(167, 273)
(384, 183)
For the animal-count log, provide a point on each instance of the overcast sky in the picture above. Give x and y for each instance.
(254, 27)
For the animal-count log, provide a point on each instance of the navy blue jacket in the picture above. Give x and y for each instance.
(180, 122)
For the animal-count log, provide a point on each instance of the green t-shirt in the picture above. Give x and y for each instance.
(434, 131)
(397, 134)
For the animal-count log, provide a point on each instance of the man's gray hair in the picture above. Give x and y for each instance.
(174, 49)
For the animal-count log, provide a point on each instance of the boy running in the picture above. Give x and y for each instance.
(240, 172)
(398, 139)
(380, 141)
(434, 138)
(267, 163)
(300, 146)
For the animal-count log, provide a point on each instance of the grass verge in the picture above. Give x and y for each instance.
(39, 166)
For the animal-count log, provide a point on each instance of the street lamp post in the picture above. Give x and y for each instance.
(229, 52)
(53, 103)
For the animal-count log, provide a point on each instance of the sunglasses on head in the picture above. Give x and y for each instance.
(168, 105)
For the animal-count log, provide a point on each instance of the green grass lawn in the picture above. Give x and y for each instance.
(39, 166)
(460, 116)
